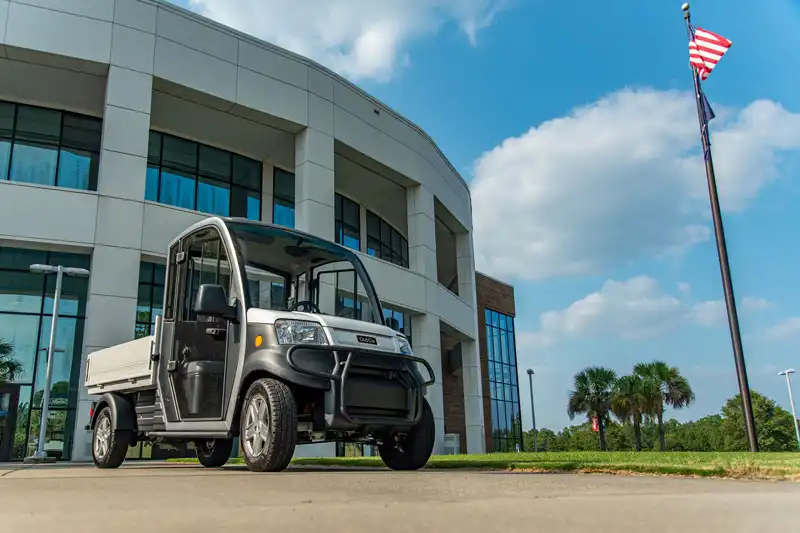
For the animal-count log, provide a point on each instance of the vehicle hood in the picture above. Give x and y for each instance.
(343, 331)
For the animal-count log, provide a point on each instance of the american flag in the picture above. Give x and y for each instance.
(705, 50)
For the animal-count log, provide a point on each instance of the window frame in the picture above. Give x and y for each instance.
(340, 222)
(503, 379)
(399, 258)
(196, 173)
(287, 202)
(58, 146)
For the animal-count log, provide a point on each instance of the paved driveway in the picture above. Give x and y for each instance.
(184, 498)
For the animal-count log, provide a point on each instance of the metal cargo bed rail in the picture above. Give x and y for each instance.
(343, 357)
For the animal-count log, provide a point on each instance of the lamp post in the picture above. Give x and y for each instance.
(40, 456)
(788, 372)
(533, 411)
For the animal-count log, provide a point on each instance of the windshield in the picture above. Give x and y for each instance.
(288, 271)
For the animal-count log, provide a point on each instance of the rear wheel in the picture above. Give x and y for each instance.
(109, 446)
(213, 453)
(268, 426)
(411, 451)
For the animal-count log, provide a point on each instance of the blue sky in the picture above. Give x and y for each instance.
(611, 251)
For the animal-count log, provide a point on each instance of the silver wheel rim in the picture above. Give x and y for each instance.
(102, 437)
(256, 427)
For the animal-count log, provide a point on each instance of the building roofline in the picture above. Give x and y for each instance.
(164, 4)
(501, 282)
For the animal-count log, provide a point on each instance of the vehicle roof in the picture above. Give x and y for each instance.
(275, 227)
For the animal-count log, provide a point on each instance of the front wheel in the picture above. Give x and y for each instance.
(109, 446)
(268, 426)
(412, 450)
(213, 453)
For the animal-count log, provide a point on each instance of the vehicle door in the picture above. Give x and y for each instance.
(200, 347)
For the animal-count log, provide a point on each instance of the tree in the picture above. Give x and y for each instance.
(675, 390)
(10, 368)
(633, 398)
(592, 396)
(774, 425)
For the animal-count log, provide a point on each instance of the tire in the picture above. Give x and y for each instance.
(268, 446)
(411, 451)
(213, 453)
(109, 446)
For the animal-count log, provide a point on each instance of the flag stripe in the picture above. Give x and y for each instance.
(706, 48)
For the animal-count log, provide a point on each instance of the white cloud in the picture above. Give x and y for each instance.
(786, 329)
(357, 38)
(618, 180)
(633, 309)
(684, 287)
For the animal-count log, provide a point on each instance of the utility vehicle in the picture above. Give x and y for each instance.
(270, 335)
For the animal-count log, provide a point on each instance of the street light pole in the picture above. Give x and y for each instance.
(533, 411)
(788, 372)
(40, 456)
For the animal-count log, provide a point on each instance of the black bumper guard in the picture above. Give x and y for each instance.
(341, 370)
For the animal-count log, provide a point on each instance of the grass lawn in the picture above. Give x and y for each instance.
(782, 466)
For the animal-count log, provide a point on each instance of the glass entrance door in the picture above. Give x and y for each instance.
(9, 398)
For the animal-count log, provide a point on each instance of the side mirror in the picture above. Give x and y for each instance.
(211, 301)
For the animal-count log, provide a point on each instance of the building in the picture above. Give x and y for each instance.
(122, 122)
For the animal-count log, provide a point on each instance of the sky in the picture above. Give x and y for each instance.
(575, 126)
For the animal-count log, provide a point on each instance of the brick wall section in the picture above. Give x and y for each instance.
(453, 385)
(498, 296)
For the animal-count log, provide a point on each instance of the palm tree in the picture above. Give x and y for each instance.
(634, 398)
(10, 368)
(674, 390)
(592, 396)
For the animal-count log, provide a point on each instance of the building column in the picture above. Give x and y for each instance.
(427, 344)
(113, 285)
(267, 192)
(314, 183)
(421, 232)
(470, 352)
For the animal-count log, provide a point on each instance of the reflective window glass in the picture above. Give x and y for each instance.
(215, 163)
(247, 173)
(195, 176)
(73, 295)
(179, 154)
(49, 147)
(33, 163)
(78, 169)
(348, 222)
(21, 332)
(38, 125)
(63, 385)
(150, 301)
(151, 184)
(506, 420)
(213, 197)
(385, 241)
(283, 198)
(177, 188)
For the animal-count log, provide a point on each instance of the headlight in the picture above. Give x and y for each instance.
(299, 332)
(405, 347)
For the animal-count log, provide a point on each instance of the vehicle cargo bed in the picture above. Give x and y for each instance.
(125, 366)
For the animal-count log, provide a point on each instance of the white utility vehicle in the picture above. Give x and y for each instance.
(257, 341)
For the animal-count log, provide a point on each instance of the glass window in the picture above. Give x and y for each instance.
(504, 389)
(386, 242)
(49, 147)
(150, 301)
(398, 320)
(283, 198)
(348, 222)
(202, 178)
(25, 319)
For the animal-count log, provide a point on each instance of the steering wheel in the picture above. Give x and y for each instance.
(308, 307)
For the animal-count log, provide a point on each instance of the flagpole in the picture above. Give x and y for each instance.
(724, 266)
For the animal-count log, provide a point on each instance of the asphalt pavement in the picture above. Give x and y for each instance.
(186, 498)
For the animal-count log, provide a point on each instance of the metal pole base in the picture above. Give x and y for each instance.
(38, 459)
